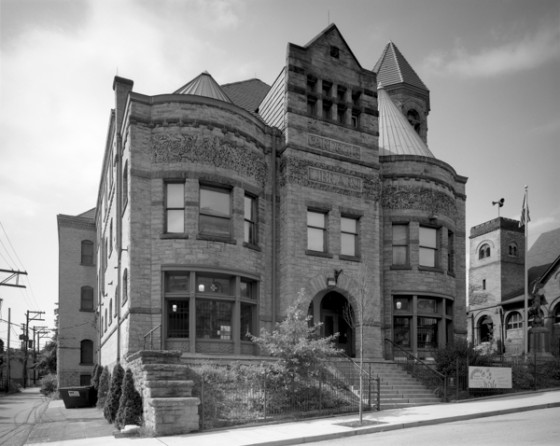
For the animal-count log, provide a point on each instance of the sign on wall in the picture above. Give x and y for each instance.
(489, 377)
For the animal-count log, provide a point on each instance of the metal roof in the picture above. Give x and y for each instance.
(247, 94)
(204, 85)
(392, 68)
(396, 135)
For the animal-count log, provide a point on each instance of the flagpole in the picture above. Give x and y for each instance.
(525, 218)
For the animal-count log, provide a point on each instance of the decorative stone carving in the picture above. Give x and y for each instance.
(419, 198)
(328, 178)
(214, 151)
(333, 146)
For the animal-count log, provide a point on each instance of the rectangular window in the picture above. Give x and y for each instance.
(316, 231)
(428, 247)
(215, 211)
(450, 252)
(214, 285)
(175, 208)
(400, 244)
(178, 318)
(349, 236)
(427, 332)
(401, 328)
(250, 223)
(247, 321)
(248, 289)
(214, 319)
(176, 282)
(427, 305)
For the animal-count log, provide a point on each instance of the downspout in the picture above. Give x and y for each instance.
(118, 209)
(274, 227)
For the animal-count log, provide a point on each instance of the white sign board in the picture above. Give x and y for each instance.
(73, 393)
(489, 377)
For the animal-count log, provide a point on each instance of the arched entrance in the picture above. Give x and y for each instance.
(332, 311)
(485, 329)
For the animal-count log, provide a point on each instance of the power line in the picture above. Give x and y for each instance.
(12, 246)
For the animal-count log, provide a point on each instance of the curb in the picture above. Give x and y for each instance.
(393, 427)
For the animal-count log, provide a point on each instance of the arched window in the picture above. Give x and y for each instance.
(557, 314)
(514, 320)
(414, 119)
(86, 352)
(87, 252)
(110, 311)
(513, 250)
(86, 298)
(125, 185)
(484, 251)
(486, 329)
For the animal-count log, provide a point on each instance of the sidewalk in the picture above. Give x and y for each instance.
(90, 423)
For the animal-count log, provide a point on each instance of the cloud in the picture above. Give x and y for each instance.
(531, 51)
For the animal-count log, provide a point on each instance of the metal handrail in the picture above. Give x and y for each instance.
(151, 337)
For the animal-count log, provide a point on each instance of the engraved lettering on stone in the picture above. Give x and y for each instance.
(334, 146)
(335, 179)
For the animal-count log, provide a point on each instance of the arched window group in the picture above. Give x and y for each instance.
(484, 251)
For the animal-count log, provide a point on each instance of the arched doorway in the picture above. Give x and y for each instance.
(332, 309)
(485, 329)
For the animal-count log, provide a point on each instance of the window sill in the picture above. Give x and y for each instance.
(451, 273)
(86, 311)
(216, 238)
(171, 236)
(430, 269)
(318, 254)
(87, 264)
(252, 246)
(400, 267)
(350, 258)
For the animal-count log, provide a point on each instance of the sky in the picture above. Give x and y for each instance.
(492, 67)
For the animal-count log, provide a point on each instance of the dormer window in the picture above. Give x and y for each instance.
(484, 251)
(335, 52)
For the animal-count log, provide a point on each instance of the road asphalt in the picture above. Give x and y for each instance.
(87, 427)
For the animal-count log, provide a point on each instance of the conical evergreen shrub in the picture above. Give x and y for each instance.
(96, 375)
(114, 395)
(103, 388)
(93, 375)
(130, 406)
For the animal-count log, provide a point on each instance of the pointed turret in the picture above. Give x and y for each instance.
(204, 85)
(392, 68)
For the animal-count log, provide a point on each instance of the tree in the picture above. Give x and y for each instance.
(297, 344)
(363, 315)
(114, 395)
(47, 363)
(103, 389)
(130, 405)
(96, 375)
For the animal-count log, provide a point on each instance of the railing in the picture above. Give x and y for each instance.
(370, 385)
(150, 335)
(422, 371)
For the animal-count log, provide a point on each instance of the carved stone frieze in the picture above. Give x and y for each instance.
(213, 151)
(328, 178)
(418, 198)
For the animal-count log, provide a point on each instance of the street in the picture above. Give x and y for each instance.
(536, 427)
(19, 413)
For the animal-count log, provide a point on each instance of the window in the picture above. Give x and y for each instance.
(428, 247)
(427, 334)
(86, 352)
(327, 86)
(174, 208)
(414, 119)
(86, 298)
(105, 327)
(125, 185)
(214, 319)
(87, 252)
(116, 306)
(327, 109)
(401, 329)
(111, 237)
(349, 236)
(450, 252)
(316, 231)
(215, 211)
(400, 244)
(514, 320)
(483, 284)
(426, 305)
(178, 318)
(513, 250)
(311, 106)
(247, 321)
(125, 286)
(335, 52)
(110, 311)
(250, 223)
(484, 251)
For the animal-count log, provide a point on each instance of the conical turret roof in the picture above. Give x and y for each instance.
(392, 68)
(204, 85)
(396, 135)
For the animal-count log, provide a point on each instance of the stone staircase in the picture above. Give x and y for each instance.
(398, 389)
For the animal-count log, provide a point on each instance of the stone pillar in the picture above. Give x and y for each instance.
(539, 341)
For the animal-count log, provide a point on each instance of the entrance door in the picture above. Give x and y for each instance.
(333, 307)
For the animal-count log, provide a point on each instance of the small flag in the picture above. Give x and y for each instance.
(525, 218)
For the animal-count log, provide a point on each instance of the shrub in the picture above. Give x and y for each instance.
(103, 388)
(130, 405)
(95, 375)
(49, 384)
(113, 397)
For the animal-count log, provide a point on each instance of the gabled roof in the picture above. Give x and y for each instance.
(204, 85)
(396, 135)
(333, 28)
(392, 68)
(247, 94)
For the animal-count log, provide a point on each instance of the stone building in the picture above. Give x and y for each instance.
(496, 311)
(218, 204)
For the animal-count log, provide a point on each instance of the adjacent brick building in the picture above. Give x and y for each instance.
(218, 204)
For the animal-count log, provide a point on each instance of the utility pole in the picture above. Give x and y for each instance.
(35, 317)
(38, 332)
(11, 274)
